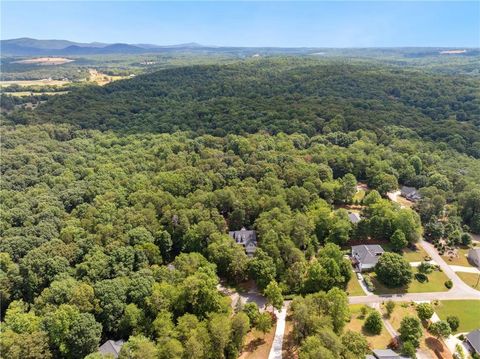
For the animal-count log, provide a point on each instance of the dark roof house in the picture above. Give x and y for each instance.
(246, 238)
(473, 338)
(474, 256)
(385, 354)
(111, 347)
(410, 193)
(365, 256)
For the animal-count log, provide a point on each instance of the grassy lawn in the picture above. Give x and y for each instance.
(359, 195)
(435, 283)
(356, 325)
(353, 287)
(409, 255)
(472, 279)
(468, 311)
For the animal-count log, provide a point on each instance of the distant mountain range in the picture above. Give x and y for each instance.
(33, 47)
(29, 47)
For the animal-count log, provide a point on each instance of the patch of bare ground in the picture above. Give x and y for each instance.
(45, 61)
(258, 345)
(289, 348)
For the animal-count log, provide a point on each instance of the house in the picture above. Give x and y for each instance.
(246, 238)
(111, 347)
(365, 256)
(384, 354)
(473, 340)
(410, 193)
(354, 217)
(474, 256)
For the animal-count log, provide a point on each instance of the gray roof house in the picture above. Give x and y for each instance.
(365, 256)
(410, 193)
(474, 256)
(111, 347)
(473, 339)
(384, 354)
(354, 217)
(246, 238)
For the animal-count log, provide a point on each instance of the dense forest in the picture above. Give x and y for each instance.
(278, 95)
(109, 236)
(117, 200)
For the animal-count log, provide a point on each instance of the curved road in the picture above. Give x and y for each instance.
(459, 290)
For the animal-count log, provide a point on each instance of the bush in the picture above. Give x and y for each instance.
(368, 283)
(453, 322)
(448, 284)
(421, 277)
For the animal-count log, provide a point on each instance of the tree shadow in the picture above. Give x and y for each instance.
(437, 347)
(254, 344)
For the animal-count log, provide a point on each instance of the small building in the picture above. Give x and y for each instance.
(410, 193)
(111, 347)
(474, 256)
(246, 238)
(473, 340)
(384, 354)
(354, 217)
(365, 256)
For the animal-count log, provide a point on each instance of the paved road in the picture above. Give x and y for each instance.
(459, 290)
(276, 350)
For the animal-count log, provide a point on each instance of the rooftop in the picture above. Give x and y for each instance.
(367, 253)
(474, 339)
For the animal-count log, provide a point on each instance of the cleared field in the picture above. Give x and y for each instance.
(472, 279)
(468, 311)
(30, 93)
(427, 342)
(103, 79)
(45, 61)
(356, 325)
(43, 82)
(435, 283)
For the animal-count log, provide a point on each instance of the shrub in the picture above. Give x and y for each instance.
(453, 322)
(368, 283)
(389, 306)
(448, 284)
(424, 311)
(421, 277)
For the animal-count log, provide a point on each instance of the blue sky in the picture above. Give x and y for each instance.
(289, 24)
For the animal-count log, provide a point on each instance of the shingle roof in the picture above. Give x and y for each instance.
(367, 253)
(245, 237)
(474, 339)
(111, 347)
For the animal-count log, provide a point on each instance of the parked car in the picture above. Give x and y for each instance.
(359, 276)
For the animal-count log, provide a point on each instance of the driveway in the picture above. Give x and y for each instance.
(465, 269)
(276, 350)
(459, 291)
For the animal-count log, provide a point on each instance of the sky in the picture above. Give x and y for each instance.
(249, 23)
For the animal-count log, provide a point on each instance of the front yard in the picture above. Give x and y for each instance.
(353, 287)
(471, 279)
(257, 345)
(468, 311)
(435, 283)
